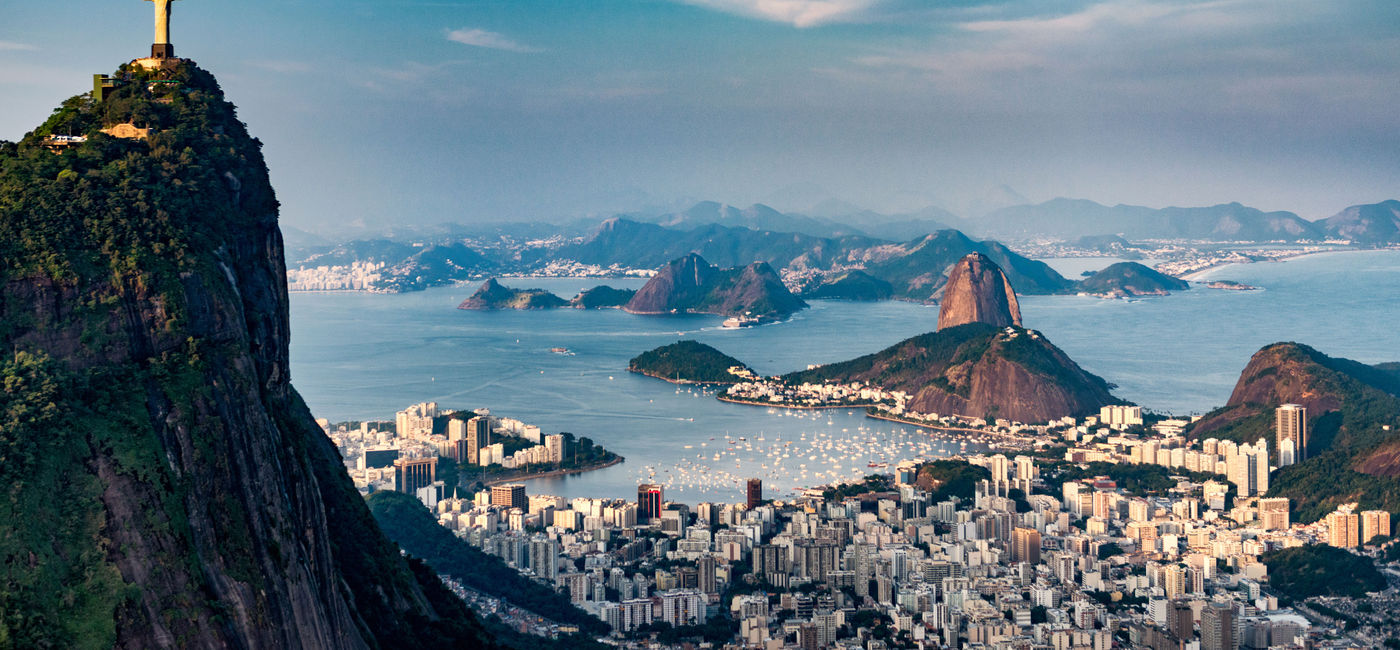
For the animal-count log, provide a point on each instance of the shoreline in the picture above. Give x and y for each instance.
(792, 406)
(915, 423)
(553, 473)
(1194, 276)
(681, 382)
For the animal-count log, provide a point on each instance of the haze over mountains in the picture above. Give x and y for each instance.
(909, 252)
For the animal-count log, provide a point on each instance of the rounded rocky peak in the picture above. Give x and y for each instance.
(978, 291)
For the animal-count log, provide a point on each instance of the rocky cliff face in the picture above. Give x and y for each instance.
(978, 292)
(976, 370)
(690, 284)
(167, 487)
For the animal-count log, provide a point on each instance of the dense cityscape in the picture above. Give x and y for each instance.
(1115, 533)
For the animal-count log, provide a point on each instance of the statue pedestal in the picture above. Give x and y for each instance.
(162, 51)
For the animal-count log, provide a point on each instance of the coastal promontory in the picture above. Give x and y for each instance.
(976, 370)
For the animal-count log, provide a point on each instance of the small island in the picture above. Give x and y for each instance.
(690, 362)
(493, 295)
(1230, 285)
(1126, 279)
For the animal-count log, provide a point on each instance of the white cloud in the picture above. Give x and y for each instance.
(487, 39)
(799, 13)
(11, 46)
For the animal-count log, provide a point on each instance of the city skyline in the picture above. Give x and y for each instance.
(473, 112)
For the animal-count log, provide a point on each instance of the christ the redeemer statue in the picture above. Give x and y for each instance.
(161, 48)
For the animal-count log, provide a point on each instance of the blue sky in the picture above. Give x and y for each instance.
(424, 112)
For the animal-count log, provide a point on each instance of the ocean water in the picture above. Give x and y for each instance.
(365, 356)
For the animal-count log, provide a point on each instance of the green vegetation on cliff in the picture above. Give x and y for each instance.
(1319, 570)
(689, 362)
(1352, 457)
(164, 482)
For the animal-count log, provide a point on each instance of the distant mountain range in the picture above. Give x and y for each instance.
(1062, 219)
(911, 253)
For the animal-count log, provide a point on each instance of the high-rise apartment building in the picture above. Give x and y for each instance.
(1343, 529)
(1025, 545)
(1374, 522)
(1291, 425)
(1273, 513)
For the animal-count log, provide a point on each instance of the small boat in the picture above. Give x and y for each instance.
(564, 351)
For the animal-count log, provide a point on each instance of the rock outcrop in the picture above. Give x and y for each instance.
(977, 370)
(166, 486)
(690, 284)
(978, 292)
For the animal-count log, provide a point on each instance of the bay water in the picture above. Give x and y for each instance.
(358, 356)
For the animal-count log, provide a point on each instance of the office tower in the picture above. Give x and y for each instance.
(1291, 423)
(1218, 627)
(1343, 529)
(753, 493)
(510, 495)
(1025, 545)
(1374, 522)
(649, 500)
(410, 474)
